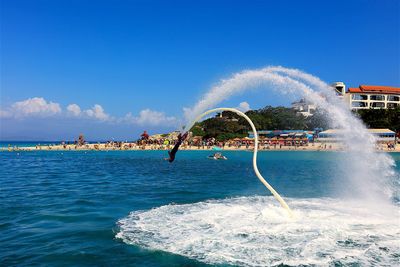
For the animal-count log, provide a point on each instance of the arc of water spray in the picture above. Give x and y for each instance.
(255, 151)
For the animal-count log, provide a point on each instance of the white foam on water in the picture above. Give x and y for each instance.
(256, 231)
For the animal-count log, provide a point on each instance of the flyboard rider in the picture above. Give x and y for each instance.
(181, 138)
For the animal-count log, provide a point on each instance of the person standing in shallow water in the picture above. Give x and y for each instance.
(172, 153)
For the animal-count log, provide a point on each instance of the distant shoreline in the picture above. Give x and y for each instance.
(135, 147)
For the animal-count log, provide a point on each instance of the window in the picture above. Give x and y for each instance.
(339, 90)
(377, 105)
(358, 104)
(393, 98)
(359, 97)
(377, 97)
(392, 105)
(386, 135)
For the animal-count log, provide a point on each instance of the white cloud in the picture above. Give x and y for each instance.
(32, 107)
(39, 107)
(97, 112)
(74, 109)
(151, 118)
(244, 106)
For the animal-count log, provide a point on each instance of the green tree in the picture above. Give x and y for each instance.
(198, 130)
(381, 118)
(281, 118)
(318, 120)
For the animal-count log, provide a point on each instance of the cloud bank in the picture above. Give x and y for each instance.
(39, 107)
(40, 119)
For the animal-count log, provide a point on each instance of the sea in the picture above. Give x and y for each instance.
(133, 208)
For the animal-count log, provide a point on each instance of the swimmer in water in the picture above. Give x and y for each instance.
(172, 153)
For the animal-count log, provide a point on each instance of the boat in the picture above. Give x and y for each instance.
(217, 156)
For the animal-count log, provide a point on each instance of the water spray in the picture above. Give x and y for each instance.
(255, 151)
(375, 174)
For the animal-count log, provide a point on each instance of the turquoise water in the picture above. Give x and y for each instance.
(74, 208)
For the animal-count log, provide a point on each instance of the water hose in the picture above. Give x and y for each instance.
(255, 151)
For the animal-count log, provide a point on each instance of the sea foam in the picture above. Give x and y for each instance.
(255, 231)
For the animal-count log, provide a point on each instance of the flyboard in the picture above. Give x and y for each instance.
(255, 151)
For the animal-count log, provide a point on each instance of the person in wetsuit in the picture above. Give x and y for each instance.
(172, 153)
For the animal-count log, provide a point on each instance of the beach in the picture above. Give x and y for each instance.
(127, 146)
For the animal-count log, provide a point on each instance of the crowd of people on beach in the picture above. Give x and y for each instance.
(166, 142)
(391, 146)
(212, 142)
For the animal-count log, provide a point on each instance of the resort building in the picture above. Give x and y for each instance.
(333, 135)
(369, 96)
(304, 108)
(362, 97)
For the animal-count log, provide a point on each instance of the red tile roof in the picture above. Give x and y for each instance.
(375, 89)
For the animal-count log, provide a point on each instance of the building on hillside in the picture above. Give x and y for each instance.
(334, 135)
(304, 108)
(307, 109)
(369, 96)
(362, 97)
(227, 116)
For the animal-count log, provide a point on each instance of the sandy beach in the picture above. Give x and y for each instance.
(128, 146)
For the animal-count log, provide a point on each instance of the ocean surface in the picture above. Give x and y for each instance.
(132, 208)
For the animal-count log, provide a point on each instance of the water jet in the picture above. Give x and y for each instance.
(255, 151)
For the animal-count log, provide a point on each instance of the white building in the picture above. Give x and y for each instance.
(362, 97)
(369, 96)
(304, 108)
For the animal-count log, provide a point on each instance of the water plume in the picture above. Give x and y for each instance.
(368, 174)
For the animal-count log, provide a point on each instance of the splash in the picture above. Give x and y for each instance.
(369, 175)
(252, 231)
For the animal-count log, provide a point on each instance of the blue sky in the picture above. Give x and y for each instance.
(161, 56)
